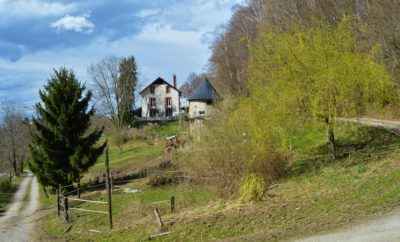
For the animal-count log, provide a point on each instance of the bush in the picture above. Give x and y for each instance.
(6, 186)
(233, 144)
(162, 180)
(252, 188)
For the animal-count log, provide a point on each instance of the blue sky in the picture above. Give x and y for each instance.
(165, 36)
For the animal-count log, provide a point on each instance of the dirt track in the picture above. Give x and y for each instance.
(17, 223)
(393, 126)
(384, 229)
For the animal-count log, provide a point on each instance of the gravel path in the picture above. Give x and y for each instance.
(17, 223)
(384, 229)
(393, 126)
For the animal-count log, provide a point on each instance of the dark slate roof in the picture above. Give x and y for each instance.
(205, 92)
(159, 81)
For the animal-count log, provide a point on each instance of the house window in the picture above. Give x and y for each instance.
(168, 102)
(168, 107)
(168, 89)
(152, 107)
(152, 89)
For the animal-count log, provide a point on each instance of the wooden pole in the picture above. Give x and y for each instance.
(79, 187)
(109, 198)
(158, 219)
(111, 182)
(172, 204)
(66, 216)
(58, 199)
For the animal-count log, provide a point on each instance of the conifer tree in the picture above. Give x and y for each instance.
(126, 86)
(62, 146)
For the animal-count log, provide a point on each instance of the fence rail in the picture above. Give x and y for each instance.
(88, 201)
(65, 194)
(89, 210)
(64, 198)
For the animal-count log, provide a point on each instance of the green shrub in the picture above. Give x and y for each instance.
(252, 188)
(162, 180)
(6, 186)
(232, 144)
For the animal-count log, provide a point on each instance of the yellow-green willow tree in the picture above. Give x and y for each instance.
(318, 74)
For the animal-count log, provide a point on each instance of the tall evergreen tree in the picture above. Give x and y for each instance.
(127, 82)
(62, 145)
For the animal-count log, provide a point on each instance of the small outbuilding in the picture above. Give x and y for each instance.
(202, 100)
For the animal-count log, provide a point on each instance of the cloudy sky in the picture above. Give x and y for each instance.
(165, 36)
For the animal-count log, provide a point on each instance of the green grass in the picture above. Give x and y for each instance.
(168, 129)
(318, 194)
(128, 209)
(137, 153)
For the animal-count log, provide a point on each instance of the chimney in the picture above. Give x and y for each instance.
(174, 80)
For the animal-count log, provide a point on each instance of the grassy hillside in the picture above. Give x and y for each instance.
(139, 153)
(317, 194)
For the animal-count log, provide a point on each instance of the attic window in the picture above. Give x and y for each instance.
(152, 89)
(168, 89)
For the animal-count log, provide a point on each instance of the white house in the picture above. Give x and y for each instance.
(161, 100)
(202, 100)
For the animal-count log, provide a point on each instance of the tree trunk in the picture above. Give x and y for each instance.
(14, 161)
(10, 177)
(331, 138)
(15, 168)
(21, 167)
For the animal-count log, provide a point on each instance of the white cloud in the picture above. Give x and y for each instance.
(33, 8)
(201, 15)
(74, 23)
(145, 13)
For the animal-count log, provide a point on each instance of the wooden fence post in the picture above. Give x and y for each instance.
(79, 188)
(58, 199)
(111, 182)
(158, 219)
(109, 198)
(172, 204)
(66, 216)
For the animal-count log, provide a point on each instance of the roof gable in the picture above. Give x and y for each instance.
(159, 81)
(205, 92)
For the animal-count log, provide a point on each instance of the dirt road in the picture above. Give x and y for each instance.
(393, 126)
(384, 229)
(17, 223)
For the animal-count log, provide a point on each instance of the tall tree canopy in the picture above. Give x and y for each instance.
(115, 81)
(127, 82)
(62, 145)
(376, 22)
(14, 136)
(318, 73)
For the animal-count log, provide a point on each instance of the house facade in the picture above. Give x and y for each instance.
(202, 100)
(160, 100)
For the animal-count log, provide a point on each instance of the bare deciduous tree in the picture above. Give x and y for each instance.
(192, 82)
(105, 77)
(114, 84)
(15, 137)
